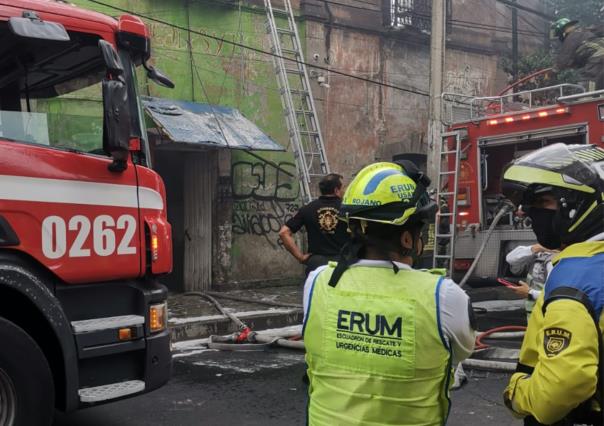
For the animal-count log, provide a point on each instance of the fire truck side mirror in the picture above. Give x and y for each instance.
(116, 112)
(112, 61)
(156, 76)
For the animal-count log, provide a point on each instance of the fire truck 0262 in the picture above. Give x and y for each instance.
(83, 236)
(483, 136)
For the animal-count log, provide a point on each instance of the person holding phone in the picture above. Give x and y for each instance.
(560, 376)
(537, 258)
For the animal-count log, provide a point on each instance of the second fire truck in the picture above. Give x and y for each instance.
(486, 134)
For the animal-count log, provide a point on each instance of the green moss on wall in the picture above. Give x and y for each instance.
(211, 71)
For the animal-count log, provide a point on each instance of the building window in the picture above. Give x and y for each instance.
(415, 14)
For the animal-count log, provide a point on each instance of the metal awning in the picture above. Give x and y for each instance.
(203, 125)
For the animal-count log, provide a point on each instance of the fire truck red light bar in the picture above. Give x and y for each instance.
(525, 117)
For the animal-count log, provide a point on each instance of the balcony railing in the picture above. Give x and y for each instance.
(415, 14)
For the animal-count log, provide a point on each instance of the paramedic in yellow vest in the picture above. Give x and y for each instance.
(561, 188)
(381, 337)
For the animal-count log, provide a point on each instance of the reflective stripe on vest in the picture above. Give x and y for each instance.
(374, 349)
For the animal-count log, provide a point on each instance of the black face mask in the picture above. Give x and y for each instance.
(543, 227)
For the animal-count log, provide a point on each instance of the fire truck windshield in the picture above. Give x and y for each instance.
(50, 92)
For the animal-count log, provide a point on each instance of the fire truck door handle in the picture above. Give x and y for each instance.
(485, 168)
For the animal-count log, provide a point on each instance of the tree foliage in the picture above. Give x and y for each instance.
(587, 12)
(536, 61)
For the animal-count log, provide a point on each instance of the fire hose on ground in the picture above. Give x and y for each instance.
(245, 339)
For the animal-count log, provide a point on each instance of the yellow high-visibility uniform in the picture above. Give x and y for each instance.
(376, 350)
(558, 366)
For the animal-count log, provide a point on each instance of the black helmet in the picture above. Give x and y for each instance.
(574, 176)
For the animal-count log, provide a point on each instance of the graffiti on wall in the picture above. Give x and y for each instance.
(468, 81)
(178, 39)
(264, 198)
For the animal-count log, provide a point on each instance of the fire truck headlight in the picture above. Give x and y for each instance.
(158, 317)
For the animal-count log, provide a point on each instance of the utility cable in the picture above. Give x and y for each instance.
(528, 9)
(221, 129)
(257, 50)
(239, 34)
(411, 14)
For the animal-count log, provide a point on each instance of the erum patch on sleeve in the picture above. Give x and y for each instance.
(555, 340)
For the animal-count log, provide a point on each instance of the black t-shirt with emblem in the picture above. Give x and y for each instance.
(326, 234)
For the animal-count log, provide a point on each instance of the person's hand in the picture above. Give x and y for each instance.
(522, 289)
(538, 248)
(304, 258)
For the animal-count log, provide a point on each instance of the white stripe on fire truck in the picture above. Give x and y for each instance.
(21, 188)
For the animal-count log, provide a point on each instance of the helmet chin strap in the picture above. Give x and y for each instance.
(350, 252)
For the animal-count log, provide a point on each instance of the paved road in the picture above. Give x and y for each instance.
(257, 388)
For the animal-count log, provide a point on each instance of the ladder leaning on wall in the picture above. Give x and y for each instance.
(296, 97)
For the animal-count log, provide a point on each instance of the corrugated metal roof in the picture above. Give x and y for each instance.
(195, 123)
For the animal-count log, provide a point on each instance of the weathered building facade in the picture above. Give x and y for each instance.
(247, 199)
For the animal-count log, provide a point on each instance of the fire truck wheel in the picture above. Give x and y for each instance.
(26, 384)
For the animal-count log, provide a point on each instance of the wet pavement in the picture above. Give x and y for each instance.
(261, 388)
(265, 388)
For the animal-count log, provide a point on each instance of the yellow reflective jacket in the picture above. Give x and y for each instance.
(374, 349)
(558, 365)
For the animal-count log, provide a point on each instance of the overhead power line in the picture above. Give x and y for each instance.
(454, 22)
(528, 9)
(257, 50)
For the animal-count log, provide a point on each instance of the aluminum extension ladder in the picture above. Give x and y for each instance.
(444, 247)
(296, 97)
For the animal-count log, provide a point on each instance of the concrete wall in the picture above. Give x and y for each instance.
(363, 122)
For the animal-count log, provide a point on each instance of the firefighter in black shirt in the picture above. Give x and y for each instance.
(326, 235)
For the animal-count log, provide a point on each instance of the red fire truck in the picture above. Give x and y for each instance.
(83, 227)
(483, 136)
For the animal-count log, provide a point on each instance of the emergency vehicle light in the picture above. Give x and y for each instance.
(154, 247)
(125, 333)
(525, 117)
(158, 315)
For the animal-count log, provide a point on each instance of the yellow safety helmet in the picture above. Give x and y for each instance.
(386, 193)
(574, 175)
